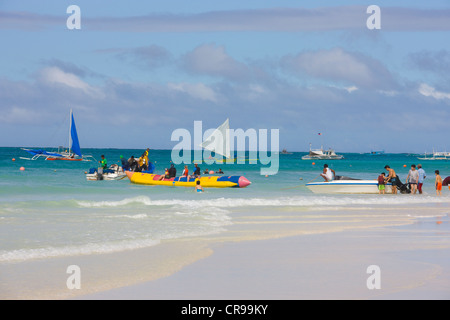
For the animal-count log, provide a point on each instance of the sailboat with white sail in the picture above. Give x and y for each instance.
(73, 154)
(219, 141)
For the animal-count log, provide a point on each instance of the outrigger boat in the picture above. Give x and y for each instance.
(206, 182)
(436, 156)
(322, 155)
(74, 153)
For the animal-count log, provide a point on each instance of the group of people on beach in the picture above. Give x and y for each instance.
(414, 180)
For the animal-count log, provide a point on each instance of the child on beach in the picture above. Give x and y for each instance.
(381, 183)
(198, 187)
(438, 183)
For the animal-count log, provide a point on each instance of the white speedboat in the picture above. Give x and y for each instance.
(114, 172)
(347, 186)
(320, 154)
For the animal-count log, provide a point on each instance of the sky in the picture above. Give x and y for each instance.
(136, 71)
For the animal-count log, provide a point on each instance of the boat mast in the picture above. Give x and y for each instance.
(70, 128)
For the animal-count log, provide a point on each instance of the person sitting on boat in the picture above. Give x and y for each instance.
(196, 173)
(143, 162)
(103, 163)
(392, 177)
(132, 163)
(165, 175)
(220, 171)
(206, 171)
(186, 173)
(125, 165)
(328, 173)
(172, 171)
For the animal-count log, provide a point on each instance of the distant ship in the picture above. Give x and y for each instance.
(376, 153)
(284, 151)
(320, 154)
(436, 156)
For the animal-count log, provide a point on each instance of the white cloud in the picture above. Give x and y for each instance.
(197, 90)
(429, 91)
(212, 60)
(340, 66)
(54, 75)
(19, 115)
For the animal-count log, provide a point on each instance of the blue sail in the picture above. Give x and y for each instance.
(75, 143)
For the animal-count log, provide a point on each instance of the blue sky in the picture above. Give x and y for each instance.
(136, 71)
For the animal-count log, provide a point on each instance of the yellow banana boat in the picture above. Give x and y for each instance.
(205, 181)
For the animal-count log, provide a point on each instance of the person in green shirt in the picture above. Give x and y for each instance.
(103, 162)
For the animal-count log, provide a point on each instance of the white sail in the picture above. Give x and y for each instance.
(219, 140)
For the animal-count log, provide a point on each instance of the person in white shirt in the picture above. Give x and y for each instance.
(413, 178)
(328, 174)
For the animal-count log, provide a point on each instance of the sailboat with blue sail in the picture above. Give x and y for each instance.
(73, 154)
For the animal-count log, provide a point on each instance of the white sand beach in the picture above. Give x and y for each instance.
(412, 260)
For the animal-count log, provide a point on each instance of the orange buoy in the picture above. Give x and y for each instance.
(13, 159)
(313, 163)
(439, 222)
(22, 169)
(404, 166)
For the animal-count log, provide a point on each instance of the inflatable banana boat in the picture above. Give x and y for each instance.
(205, 182)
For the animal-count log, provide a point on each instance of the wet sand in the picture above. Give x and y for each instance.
(412, 259)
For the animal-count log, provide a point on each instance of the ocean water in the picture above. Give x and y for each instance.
(50, 210)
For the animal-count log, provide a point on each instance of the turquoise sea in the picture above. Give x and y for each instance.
(49, 210)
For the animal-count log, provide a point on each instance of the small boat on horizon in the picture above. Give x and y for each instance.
(376, 153)
(284, 151)
(320, 154)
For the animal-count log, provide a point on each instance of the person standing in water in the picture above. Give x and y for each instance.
(438, 183)
(422, 176)
(392, 177)
(413, 178)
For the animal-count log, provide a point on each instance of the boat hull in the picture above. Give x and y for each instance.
(322, 157)
(63, 159)
(206, 182)
(347, 187)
